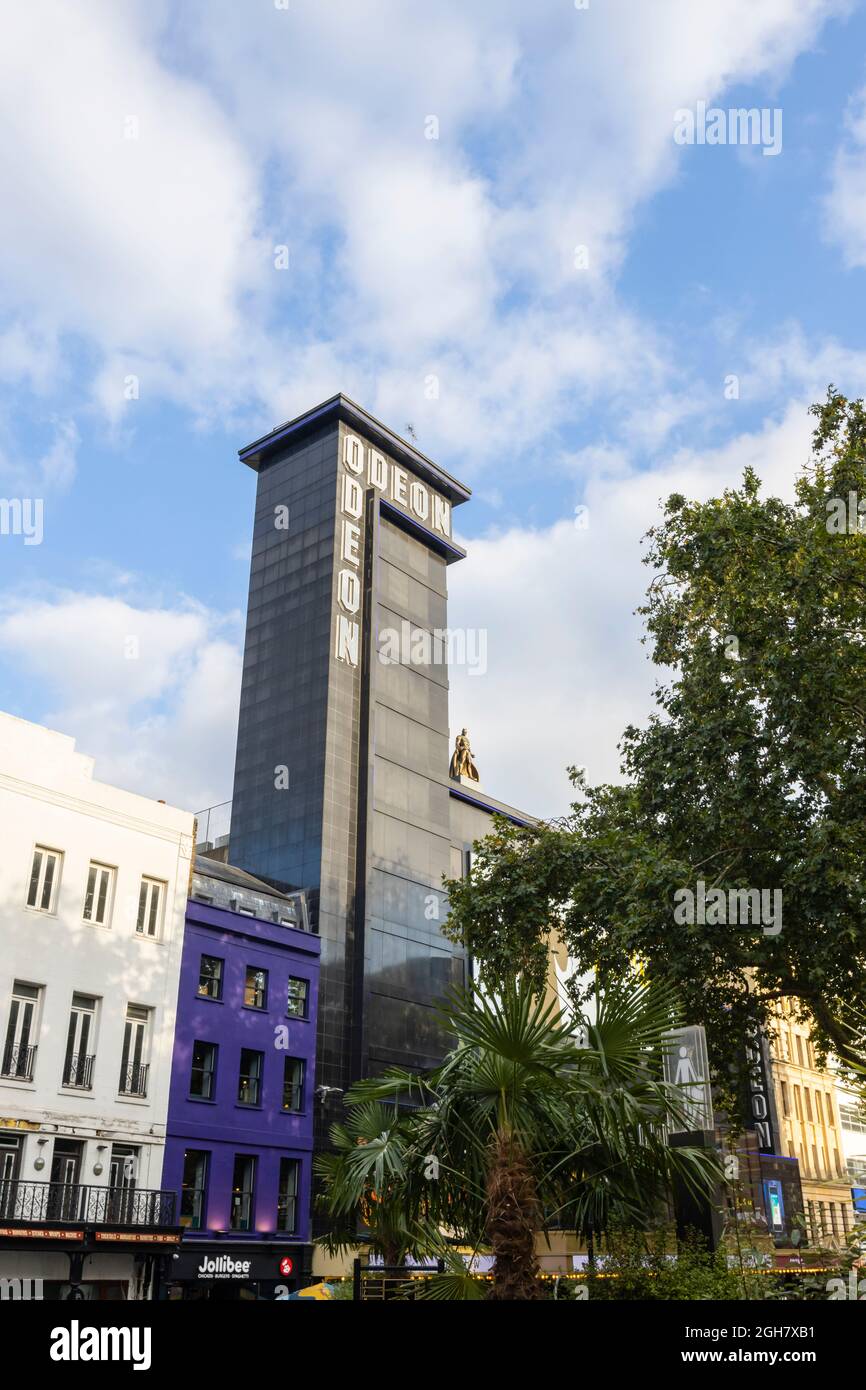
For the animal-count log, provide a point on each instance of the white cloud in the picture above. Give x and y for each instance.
(150, 692)
(51, 472)
(845, 203)
(29, 355)
(131, 220)
(151, 689)
(566, 669)
(790, 362)
(409, 256)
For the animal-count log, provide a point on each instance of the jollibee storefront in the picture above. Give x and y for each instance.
(237, 1272)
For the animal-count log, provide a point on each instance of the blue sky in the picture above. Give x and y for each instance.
(160, 154)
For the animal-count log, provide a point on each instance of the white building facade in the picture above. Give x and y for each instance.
(93, 889)
(852, 1114)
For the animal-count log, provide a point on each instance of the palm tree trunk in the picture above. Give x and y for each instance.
(512, 1221)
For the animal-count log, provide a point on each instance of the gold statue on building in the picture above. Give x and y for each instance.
(461, 759)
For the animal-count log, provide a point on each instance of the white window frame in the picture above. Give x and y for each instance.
(24, 1032)
(301, 980)
(135, 1051)
(145, 914)
(81, 1040)
(47, 854)
(109, 870)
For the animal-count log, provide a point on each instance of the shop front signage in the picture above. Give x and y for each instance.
(759, 1104)
(136, 1237)
(224, 1267)
(686, 1066)
(39, 1233)
(241, 1266)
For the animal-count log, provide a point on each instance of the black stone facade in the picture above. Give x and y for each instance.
(364, 824)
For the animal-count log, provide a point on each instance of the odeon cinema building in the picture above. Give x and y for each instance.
(345, 783)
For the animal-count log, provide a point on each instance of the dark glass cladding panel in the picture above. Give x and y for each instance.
(412, 556)
(402, 1031)
(410, 850)
(402, 905)
(412, 744)
(469, 823)
(411, 796)
(411, 599)
(416, 692)
(284, 691)
(405, 967)
(407, 650)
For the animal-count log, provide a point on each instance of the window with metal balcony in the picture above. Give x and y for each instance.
(133, 1067)
(19, 1049)
(73, 1203)
(80, 1042)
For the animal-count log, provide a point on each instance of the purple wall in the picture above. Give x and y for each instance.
(223, 1127)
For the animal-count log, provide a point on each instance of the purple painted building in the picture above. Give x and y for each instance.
(240, 1117)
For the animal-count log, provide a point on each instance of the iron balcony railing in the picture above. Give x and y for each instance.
(43, 1202)
(78, 1071)
(18, 1062)
(133, 1080)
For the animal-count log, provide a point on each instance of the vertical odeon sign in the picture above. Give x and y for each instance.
(759, 1106)
(349, 577)
(408, 493)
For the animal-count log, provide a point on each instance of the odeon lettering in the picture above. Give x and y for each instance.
(399, 486)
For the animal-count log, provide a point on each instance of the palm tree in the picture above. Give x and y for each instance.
(525, 1126)
(363, 1182)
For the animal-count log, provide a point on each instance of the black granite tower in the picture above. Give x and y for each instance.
(341, 778)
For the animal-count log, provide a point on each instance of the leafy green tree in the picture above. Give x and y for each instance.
(749, 775)
(641, 1266)
(522, 1129)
